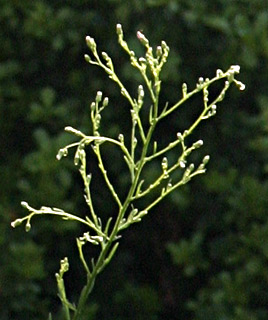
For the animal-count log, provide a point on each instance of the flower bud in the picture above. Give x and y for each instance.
(62, 153)
(28, 226)
(105, 101)
(87, 58)
(90, 42)
(98, 96)
(198, 144)
(142, 60)
(182, 163)
(164, 46)
(105, 55)
(235, 69)
(121, 138)
(16, 223)
(201, 80)
(24, 204)
(179, 136)
(184, 89)
(159, 51)
(164, 163)
(93, 106)
(206, 159)
(240, 85)
(140, 91)
(119, 29)
(219, 73)
(142, 38)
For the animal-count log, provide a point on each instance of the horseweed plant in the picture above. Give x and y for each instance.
(106, 235)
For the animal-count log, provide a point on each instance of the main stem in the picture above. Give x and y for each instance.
(103, 254)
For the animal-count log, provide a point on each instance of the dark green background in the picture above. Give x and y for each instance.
(202, 254)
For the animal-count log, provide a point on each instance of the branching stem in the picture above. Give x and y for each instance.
(150, 67)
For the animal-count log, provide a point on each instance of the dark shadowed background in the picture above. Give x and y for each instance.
(202, 254)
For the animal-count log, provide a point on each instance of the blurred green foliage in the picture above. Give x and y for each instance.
(201, 255)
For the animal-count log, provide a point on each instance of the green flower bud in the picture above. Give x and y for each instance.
(201, 80)
(234, 69)
(142, 60)
(105, 101)
(98, 96)
(28, 226)
(164, 163)
(206, 159)
(93, 106)
(142, 38)
(184, 89)
(119, 29)
(121, 138)
(62, 153)
(219, 73)
(140, 91)
(24, 204)
(90, 42)
(164, 46)
(16, 223)
(104, 55)
(159, 51)
(240, 85)
(198, 144)
(87, 58)
(182, 163)
(179, 136)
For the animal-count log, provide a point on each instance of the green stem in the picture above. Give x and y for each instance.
(104, 172)
(175, 186)
(190, 94)
(90, 282)
(101, 260)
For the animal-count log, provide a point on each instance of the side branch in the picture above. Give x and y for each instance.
(53, 211)
(104, 172)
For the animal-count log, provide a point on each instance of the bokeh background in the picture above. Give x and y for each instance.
(202, 254)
